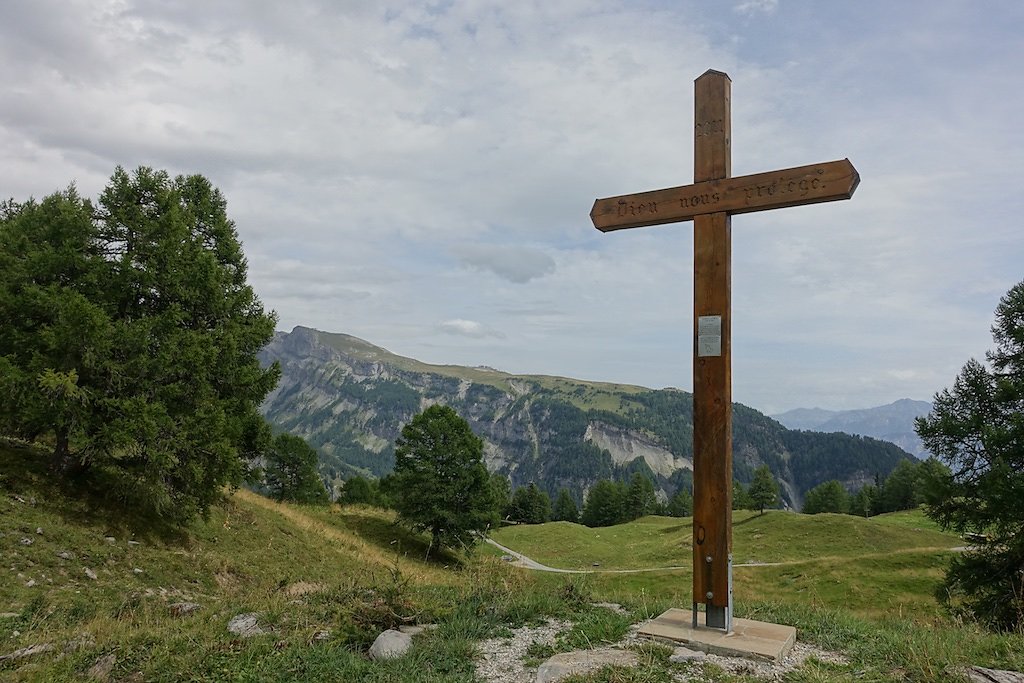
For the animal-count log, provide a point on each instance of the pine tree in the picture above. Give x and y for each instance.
(530, 505)
(741, 499)
(440, 484)
(358, 491)
(829, 496)
(681, 504)
(604, 504)
(291, 471)
(501, 489)
(130, 336)
(764, 491)
(640, 498)
(976, 428)
(864, 501)
(565, 507)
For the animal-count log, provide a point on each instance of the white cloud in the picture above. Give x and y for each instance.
(751, 7)
(468, 328)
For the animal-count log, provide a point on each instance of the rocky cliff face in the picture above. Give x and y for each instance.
(350, 399)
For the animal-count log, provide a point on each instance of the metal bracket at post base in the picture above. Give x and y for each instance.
(717, 617)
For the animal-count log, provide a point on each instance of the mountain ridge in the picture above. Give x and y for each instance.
(893, 422)
(350, 398)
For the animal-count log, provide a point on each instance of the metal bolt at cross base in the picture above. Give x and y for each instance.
(710, 202)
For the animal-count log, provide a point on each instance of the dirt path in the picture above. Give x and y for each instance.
(528, 563)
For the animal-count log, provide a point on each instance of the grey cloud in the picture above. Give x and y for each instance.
(515, 264)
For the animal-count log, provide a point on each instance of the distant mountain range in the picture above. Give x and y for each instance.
(349, 399)
(893, 422)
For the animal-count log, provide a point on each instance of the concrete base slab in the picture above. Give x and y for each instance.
(750, 639)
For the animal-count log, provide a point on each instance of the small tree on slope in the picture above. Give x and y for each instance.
(440, 484)
(291, 472)
(764, 491)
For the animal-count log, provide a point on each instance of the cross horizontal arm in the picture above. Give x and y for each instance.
(826, 182)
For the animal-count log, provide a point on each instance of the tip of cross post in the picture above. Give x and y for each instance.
(713, 72)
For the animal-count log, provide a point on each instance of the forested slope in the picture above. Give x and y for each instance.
(349, 399)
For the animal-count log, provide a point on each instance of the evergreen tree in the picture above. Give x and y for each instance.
(741, 499)
(604, 504)
(291, 471)
(440, 484)
(827, 497)
(130, 337)
(864, 501)
(501, 489)
(565, 507)
(902, 488)
(530, 505)
(764, 491)
(358, 491)
(519, 506)
(976, 428)
(681, 504)
(640, 499)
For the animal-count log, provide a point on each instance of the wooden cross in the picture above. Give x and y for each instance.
(710, 202)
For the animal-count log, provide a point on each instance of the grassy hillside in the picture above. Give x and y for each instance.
(867, 566)
(325, 581)
(775, 536)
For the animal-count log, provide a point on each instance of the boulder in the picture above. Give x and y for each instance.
(583, 661)
(27, 652)
(102, 667)
(979, 674)
(685, 654)
(390, 644)
(181, 609)
(245, 625)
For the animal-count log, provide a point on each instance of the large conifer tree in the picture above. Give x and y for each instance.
(130, 339)
(976, 427)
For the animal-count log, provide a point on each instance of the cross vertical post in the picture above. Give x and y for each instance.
(710, 201)
(712, 360)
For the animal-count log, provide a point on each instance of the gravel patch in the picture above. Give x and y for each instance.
(501, 659)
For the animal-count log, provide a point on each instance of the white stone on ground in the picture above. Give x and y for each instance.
(685, 654)
(245, 625)
(390, 644)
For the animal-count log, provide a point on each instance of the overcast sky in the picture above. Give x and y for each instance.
(420, 174)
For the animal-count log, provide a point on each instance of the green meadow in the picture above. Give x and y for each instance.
(325, 581)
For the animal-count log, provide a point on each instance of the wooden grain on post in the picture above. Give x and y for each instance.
(712, 374)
